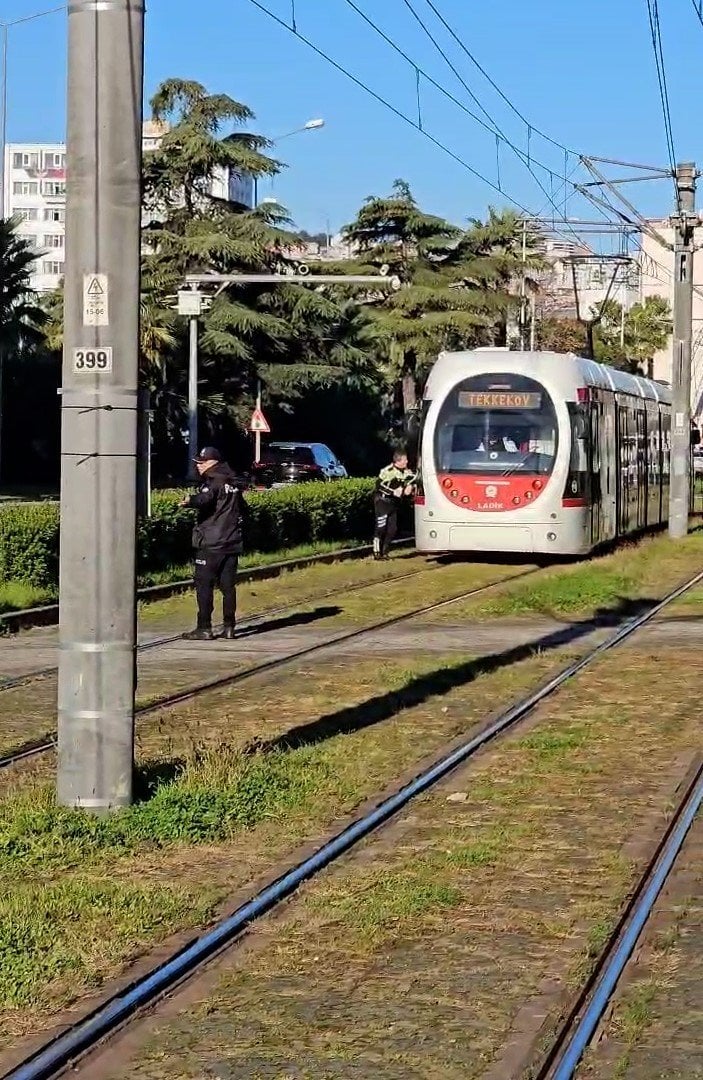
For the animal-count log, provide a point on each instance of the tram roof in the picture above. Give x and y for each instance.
(564, 371)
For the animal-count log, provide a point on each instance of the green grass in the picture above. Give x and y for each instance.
(16, 596)
(210, 799)
(50, 934)
(642, 570)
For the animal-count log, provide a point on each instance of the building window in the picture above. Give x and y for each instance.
(53, 240)
(53, 188)
(55, 268)
(54, 161)
(25, 161)
(25, 187)
(28, 214)
(54, 214)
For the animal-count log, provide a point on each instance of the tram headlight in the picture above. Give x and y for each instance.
(448, 482)
(454, 494)
(465, 499)
(433, 534)
(551, 536)
(516, 500)
(537, 485)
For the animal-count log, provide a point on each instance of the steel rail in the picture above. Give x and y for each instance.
(575, 1037)
(65, 1049)
(34, 749)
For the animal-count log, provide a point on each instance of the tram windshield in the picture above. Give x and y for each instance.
(496, 424)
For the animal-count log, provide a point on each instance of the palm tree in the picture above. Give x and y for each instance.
(20, 316)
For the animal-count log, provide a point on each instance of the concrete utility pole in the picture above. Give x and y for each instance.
(684, 222)
(99, 404)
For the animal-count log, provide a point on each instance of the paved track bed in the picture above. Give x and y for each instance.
(440, 948)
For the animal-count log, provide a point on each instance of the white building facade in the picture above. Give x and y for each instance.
(35, 192)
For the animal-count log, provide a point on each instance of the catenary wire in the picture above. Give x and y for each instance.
(397, 112)
(531, 127)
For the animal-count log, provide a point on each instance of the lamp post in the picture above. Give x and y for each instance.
(309, 125)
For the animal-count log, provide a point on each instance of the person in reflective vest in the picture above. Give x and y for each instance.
(395, 482)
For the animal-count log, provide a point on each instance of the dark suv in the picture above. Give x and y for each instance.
(296, 462)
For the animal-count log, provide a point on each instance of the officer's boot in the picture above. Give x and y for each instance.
(228, 632)
(201, 633)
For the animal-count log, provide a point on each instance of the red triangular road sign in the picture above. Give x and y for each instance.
(259, 422)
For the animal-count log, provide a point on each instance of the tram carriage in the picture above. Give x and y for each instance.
(539, 453)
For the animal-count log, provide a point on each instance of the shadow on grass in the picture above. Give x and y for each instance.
(437, 683)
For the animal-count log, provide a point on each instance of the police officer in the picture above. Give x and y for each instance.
(217, 540)
(394, 482)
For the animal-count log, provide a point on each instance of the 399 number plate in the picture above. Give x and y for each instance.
(87, 361)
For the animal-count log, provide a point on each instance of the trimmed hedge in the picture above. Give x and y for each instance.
(280, 518)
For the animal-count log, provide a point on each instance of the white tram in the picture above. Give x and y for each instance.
(539, 452)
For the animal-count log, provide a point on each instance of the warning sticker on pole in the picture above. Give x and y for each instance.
(96, 311)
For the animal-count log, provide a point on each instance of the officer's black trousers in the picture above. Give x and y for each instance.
(211, 569)
(386, 513)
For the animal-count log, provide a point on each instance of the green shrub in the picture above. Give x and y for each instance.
(29, 544)
(280, 518)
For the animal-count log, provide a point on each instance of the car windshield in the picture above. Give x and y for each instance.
(287, 455)
(496, 424)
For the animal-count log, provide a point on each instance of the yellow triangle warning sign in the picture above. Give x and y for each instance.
(259, 422)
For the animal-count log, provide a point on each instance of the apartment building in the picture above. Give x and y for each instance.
(35, 192)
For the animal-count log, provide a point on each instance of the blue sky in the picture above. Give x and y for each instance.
(582, 72)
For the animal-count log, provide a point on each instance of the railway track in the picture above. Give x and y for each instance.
(12, 622)
(87, 1034)
(254, 620)
(576, 1033)
(41, 746)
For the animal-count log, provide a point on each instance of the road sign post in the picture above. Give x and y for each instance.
(258, 424)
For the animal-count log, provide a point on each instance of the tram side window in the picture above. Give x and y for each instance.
(579, 438)
(595, 437)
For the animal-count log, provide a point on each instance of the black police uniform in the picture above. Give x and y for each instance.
(218, 541)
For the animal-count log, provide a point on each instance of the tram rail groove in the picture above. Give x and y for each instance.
(34, 749)
(29, 677)
(94, 1030)
(575, 1034)
(13, 622)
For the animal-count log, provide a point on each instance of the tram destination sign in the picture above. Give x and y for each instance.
(498, 399)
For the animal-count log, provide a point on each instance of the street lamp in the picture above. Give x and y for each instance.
(5, 28)
(309, 125)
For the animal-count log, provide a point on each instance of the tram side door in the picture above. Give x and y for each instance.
(641, 471)
(595, 468)
(609, 467)
(623, 493)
